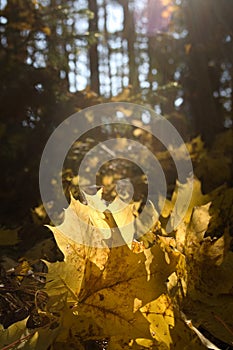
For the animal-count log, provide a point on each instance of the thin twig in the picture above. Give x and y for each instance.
(224, 324)
(18, 341)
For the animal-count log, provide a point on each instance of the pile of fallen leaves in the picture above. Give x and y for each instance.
(135, 294)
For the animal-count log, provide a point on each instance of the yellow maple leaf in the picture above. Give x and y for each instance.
(105, 287)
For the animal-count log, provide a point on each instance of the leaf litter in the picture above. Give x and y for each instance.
(139, 295)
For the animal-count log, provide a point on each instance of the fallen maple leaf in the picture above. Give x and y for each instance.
(205, 275)
(106, 287)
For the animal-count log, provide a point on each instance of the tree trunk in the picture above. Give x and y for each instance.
(199, 91)
(93, 50)
(130, 35)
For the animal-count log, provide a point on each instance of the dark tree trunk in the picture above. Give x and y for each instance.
(93, 50)
(130, 35)
(199, 88)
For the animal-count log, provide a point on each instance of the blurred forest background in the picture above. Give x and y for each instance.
(57, 57)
